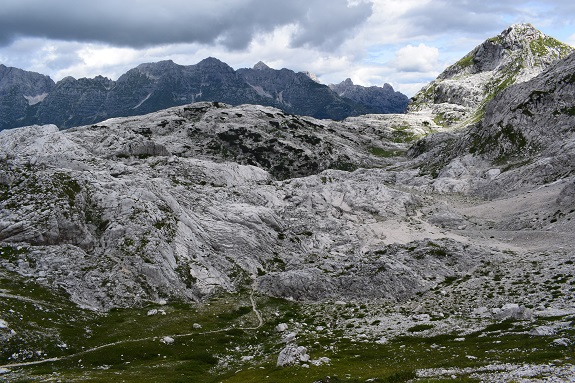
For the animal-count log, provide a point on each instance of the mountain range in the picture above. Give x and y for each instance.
(28, 98)
(219, 242)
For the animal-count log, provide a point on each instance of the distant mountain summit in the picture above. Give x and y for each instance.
(20, 90)
(300, 93)
(28, 98)
(458, 96)
(381, 100)
(261, 66)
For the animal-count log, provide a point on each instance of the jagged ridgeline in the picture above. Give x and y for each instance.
(28, 98)
(459, 95)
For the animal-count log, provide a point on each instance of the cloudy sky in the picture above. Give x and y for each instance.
(406, 43)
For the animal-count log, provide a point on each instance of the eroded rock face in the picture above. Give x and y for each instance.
(141, 209)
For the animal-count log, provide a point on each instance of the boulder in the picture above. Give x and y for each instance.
(292, 354)
(512, 311)
(542, 331)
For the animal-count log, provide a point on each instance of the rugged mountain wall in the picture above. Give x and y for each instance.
(28, 98)
(381, 100)
(298, 93)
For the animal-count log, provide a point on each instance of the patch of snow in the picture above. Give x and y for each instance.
(33, 100)
(141, 102)
(260, 91)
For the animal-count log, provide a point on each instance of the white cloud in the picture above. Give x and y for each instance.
(421, 58)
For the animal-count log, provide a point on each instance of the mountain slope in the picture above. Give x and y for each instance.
(458, 96)
(298, 93)
(525, 137)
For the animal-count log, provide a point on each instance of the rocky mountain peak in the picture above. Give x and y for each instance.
(157, 69)
(261, 66)
(312, 76)
(212, 61)
(518, 34)
(459, 94)
(381, 99)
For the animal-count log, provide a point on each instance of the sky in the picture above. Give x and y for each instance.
(405, 43)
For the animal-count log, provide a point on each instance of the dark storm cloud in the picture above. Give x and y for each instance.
(447, 16)
(327, 25)
(138, 23)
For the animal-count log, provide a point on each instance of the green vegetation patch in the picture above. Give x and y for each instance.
(466, 61)
(230, 347)
(543, 45)
(66, 186)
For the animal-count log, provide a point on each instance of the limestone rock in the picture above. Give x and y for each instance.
(281, 327)
(542, 331)
(292, 354)
(512, 311)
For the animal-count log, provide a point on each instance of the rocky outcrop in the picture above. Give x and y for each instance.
(151, 207)
(292, 354)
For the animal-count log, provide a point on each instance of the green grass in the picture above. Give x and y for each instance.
(466, 61)
(213, 353)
